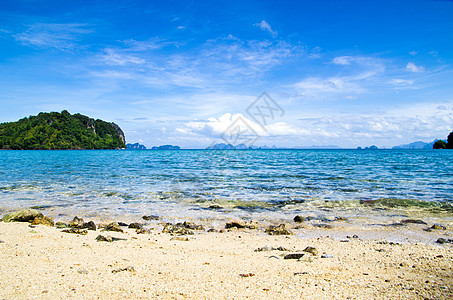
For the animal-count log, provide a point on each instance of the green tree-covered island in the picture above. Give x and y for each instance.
(60, 131)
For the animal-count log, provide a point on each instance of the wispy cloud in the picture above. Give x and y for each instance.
(263, 25)
(60, 36)
(411, 67)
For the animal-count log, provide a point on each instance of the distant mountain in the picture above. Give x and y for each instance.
(166, 147)
(52, 131)
(416, 145)
(373, 147)
(135, 146)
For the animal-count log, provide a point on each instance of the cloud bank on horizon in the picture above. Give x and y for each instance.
(348, 74)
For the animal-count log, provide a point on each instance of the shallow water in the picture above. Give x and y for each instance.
(272, 184)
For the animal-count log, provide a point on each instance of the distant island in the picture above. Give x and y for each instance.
(135, 146)
(166, 147)
(415, 145)
(373, 147)
(60, 131)
(441, 144)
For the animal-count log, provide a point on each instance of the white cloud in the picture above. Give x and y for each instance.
(263, 25)
(401, 82)
(343, 60)
(411, 67)
(113, 57)
(60, 36)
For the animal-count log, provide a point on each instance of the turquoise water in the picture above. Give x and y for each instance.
(265, 183)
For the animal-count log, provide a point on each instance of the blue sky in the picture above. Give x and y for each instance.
(347, 73)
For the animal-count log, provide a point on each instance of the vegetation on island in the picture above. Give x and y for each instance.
(52, 131)
(440, 144)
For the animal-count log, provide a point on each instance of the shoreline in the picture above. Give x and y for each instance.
(46, 263)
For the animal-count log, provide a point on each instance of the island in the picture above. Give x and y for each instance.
(135, 146)
(60, 131)
(166, 147)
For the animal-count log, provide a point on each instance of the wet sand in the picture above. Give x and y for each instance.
(43, 262)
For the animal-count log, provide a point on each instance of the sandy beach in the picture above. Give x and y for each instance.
(45, 263)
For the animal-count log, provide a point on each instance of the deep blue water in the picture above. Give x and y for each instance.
(187, 182)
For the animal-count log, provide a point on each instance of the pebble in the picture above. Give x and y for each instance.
(142, 231)
(82, 271)
(180, 238)
(129, 269)
(300, 273)
(294, 256)
(311, 250)
(247, 275)
(75, 231)
(327, 256)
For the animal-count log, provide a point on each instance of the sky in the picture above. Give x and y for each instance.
(194, 73)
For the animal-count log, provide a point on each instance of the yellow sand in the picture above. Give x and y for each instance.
(45, 263)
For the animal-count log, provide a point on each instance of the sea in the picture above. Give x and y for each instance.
(365, 186)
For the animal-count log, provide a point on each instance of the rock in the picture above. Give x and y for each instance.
(135, 226)
(215, 206)
(298, 219)
(108, 238)
(142, 231)
(311, 250)
(327, 256)
(114, 226)
(413, 221)
(104, 238)
(89, 225)
(43, 221)
(341, 219)
(75, 231)
(76, 222)
(180, 238)
(122, 224)
(191, 225)
(444, 241)
(25, 215)
(270, 248)
(438, 227)
(129, 269)
(176, 229)
(294, 256)
(278, 230)
(242, 224)
(1, 242)
(300, 273)
(149, 218)
(212, 230)
(61, 225)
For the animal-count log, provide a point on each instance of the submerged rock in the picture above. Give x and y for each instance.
(444, 241)
(413, 221)
(149, 218)
(278, 230)
(76, 222)
(323, 225)
(25, 215)
(176, 229)
(114, 226)
(75, 231)
(299, 219)
(43, 221)
(242, 224)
